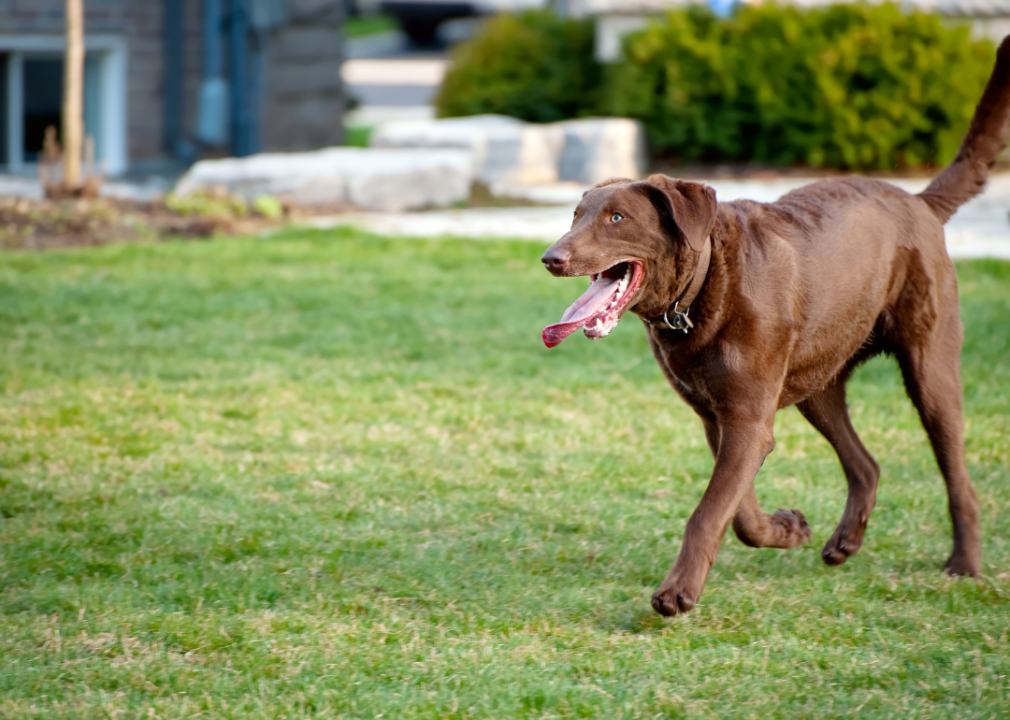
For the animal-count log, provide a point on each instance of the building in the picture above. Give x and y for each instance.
(169, 81)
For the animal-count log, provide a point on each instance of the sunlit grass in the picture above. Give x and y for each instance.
(336, 475)
(366, 25)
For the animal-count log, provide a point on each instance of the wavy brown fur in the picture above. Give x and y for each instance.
(966, 176)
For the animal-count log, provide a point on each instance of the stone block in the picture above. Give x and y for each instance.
(505, 150)
(510, 153)
(388, 180)
(597, 149)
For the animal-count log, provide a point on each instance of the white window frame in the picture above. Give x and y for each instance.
(110, 52)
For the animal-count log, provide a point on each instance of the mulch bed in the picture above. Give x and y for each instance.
(27, 224)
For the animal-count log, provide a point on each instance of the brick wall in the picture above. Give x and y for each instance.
(304, 98)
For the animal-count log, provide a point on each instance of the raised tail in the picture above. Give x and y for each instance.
(965, 177)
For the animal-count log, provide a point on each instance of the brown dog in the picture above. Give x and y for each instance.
(753, 307)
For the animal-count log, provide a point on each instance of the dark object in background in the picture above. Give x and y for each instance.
(752, 307)
(43, 104)
(420, 18)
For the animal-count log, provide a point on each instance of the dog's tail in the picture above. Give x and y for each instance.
(965, 177)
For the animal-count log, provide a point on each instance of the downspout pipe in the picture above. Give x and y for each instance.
(212, 119)
(211, 39)
(241, 127)
(257, 73)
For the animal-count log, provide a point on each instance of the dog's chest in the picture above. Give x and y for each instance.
(683, 375)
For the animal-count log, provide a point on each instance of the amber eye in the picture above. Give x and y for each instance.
(616, 217)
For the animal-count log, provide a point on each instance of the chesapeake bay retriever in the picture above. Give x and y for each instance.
(751, 307)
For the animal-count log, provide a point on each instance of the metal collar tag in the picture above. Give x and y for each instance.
(680, 319)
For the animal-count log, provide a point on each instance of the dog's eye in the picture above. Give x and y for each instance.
(616, 217)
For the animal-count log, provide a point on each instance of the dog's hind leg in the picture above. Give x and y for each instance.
(933, 380)
(828, 413)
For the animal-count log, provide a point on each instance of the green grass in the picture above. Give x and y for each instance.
(365, 25)
(329, 474)
(357, 135)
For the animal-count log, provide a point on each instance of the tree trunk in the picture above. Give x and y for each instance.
(73, 95)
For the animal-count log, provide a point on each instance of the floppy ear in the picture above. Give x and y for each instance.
(687, 209)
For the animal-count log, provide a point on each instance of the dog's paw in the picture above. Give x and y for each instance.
(959, 565)
(793, 528)
(669, 602)
(841, 547)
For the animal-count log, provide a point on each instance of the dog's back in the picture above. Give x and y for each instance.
(855, 221)
(858, 245)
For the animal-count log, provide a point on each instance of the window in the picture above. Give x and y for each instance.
(31, 98)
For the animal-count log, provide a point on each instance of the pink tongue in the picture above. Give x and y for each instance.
(592, 303)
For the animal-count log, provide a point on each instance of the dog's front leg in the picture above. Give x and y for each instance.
(744, 444)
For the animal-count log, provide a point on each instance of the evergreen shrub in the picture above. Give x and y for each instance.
(534, 66)
(848, 86)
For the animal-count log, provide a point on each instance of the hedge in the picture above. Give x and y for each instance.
(535, 66)
(847, 86)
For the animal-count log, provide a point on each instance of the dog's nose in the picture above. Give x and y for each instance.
(555, 261)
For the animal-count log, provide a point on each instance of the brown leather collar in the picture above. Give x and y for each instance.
(682, 306)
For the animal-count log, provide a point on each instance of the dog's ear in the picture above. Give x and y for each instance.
(687, 209)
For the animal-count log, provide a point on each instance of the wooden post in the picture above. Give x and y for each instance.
(73, 95)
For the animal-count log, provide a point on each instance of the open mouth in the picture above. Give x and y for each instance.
(601, 306)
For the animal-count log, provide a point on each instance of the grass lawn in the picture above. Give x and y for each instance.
(366, 25)
(328, 474)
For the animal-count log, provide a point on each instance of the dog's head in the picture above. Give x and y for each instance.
(630, 238)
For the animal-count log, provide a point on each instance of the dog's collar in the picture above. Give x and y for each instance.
(682, 305)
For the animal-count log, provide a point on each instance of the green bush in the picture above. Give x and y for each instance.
(207, 203)
(852, 86)
(847, 86)
(533, 66)
(268, 206)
